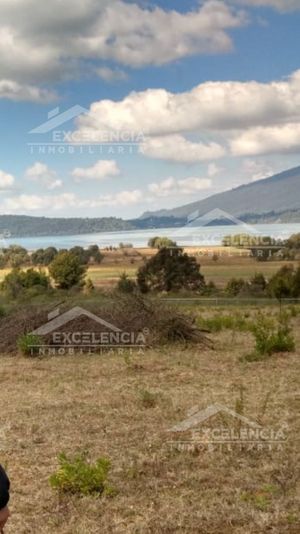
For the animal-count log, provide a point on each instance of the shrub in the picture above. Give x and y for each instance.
(170, 270)
(258, 284)
(89, 286)
(271, 338)
(17, 281)
(79, 476)
(125, 285)
(28, 344)
(235, 286)
(67, 270)
(15, 256)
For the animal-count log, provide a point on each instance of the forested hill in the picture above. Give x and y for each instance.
(25, 226)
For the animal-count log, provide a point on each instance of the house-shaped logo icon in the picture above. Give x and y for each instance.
(217, 216)
(56, 321)
(57, 119)
(199, 417)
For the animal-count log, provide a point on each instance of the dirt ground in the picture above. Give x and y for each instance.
(101, 404)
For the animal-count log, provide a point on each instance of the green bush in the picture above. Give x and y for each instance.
(235, 286)
(17, 281)
(79, 476)
(271, 338)
(67, 270)
(28, 344)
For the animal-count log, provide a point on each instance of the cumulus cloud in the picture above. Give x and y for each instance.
(41, 42)
(100, 171)
(28, 203)
(273, 139)
(6, 180)
(177, 148)
(212, 106)
(123, 198)
(43, 175)
(186, 186)
(12, 90)
(242, 114)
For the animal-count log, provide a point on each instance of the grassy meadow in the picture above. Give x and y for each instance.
(121, 406)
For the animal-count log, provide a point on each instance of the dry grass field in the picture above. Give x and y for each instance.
(122, 407)
(231, 263)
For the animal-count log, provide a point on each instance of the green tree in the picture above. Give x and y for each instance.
(281, 285)
(67, 270)
(170, 270)
(94, 254)
(235, 286)
(258, 284)
(16, 256)
(293, 242)
(161, 242)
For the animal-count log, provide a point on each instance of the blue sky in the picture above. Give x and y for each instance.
(211, 90)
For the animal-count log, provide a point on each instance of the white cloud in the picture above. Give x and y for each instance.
(6, 180)
(111, 75)
(124, 198)
(210, 106)
(186, 186)
(41, 173)
(42, 203)
(213, 170)
(254, 170)
(273, 139)
(15, 91)
(177, 148)
(41, 42)
(100, 171)
(29, 203)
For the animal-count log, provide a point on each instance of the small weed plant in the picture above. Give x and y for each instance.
(28, 344)
(78, 476)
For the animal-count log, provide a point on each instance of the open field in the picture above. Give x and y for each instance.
(101, 404)
(231, 263)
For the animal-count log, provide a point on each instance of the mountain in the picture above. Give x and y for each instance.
(268, 200)
(26, 226)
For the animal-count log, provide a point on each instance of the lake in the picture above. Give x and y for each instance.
(185, 236)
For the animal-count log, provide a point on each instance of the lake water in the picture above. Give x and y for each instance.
(185, 236)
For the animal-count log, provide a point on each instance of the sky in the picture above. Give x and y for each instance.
(115, 107)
